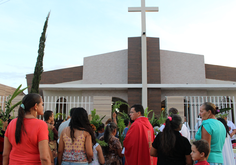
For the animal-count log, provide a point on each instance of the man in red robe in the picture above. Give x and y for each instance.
(139, 138)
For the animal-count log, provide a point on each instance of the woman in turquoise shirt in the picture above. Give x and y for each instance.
(213, 132)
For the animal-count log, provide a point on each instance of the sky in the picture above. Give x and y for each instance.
(82, 28)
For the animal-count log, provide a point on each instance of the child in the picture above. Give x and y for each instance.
(98, 157)
(200, 151)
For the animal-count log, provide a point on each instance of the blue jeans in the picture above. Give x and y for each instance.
(74, 163)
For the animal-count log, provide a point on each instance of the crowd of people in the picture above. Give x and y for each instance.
(28, 140)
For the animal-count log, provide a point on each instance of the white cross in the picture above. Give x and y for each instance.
(143, 11)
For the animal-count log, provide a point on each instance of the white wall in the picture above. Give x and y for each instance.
(165, 93)
(181, 68)
(109, 68)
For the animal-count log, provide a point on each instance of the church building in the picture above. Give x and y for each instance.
(141, 74)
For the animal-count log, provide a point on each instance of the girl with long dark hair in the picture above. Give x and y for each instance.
(76, 141)
(112, 152)
(170, 146)
(26, 137)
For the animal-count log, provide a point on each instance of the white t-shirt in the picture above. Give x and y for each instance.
(184, 131)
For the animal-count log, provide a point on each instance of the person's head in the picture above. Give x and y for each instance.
(100, 128)
(31, 104)
(111, 129)
(173, 111)
(168, 137)
(200, 150)
(72, 111)
(80, 121)
(48, 116)
(126, 121)
(174, 122)
(207, 110)
(136, 111)
(225, 124)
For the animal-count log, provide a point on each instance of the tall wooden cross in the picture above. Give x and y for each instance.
(143, 11)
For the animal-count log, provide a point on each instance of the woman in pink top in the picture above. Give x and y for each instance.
(76, 141)
(26, 137)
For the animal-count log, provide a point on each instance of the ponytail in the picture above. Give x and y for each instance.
(27, 103)
(168, 136)
(19, 124)
(107, 135)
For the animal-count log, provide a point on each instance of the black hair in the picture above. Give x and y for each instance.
(28, 102)
(71, 111)
(168, 137)
(210, 107)
(100, 127)
(138, 108)
(202, 146)
(58, 123)
(173, 111)
(126, 121)
(107, 135)
(47, 114)
(80, 121)
(225, 124)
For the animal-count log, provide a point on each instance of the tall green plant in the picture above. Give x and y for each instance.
(8, 107)
(96, 120)
(38, 70)
(116, 106)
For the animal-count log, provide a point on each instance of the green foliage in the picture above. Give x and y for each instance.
(146, 112)
(121, 126)
(51, 134)
(102, 143)
(38, 70)
(162, 117)
(154, 121)
(96, 121)
(8, 107)
(223, 112)
(58, 115)
(116, 106)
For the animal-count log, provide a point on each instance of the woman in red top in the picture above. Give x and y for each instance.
(26, 137)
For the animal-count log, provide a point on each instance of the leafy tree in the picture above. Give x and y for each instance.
(8, 104)
(38, 70)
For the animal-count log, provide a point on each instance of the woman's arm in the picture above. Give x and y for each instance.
(51, 155)
(120, 153)
(189, 160)
(100, 155)
(88, 146)
(206, 136)
(6, 151)
(60, 148)
(153, 152)
(44, 152)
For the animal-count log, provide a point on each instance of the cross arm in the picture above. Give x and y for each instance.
(139, 9)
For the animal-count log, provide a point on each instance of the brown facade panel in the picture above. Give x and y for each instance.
(134, 61)
(154, 100)
(58, 76)
(153, 61)
(220, 72)
(134, 96)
